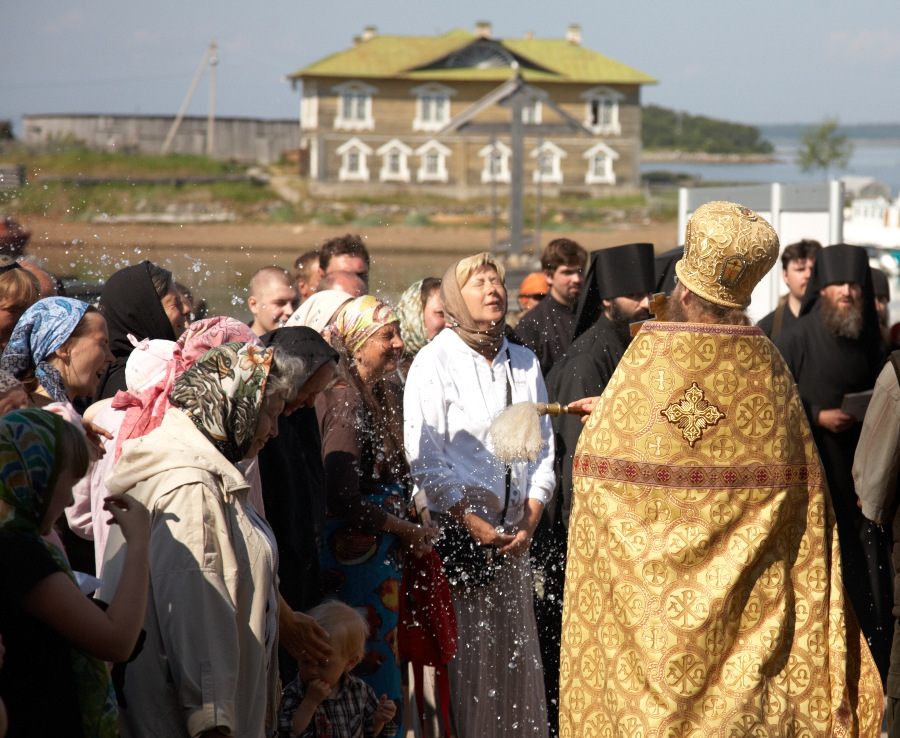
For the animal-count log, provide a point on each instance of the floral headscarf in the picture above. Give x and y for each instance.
(145, 409)
(360, 319)
(222, 394)
(412, 318)
(41, 330)
(30, 451)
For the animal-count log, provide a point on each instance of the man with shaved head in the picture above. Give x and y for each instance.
(272, 300)
(306, 272)
(349, 282)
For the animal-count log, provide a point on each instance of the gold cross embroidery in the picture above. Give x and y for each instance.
(692, 414)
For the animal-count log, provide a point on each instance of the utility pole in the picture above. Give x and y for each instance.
(211, 119)
(212, 57)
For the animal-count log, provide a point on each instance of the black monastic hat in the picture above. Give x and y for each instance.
(880, 283)
(613, 272)
(841, 263)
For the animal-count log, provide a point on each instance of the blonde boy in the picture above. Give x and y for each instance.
(326, 699)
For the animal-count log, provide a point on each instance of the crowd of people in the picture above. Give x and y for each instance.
(291, 526)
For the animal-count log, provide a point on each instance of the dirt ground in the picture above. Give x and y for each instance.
(216, 261)
(49, 235)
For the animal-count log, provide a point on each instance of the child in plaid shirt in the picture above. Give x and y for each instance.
(326, 700)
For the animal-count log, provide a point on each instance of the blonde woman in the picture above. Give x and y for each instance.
(457, 384)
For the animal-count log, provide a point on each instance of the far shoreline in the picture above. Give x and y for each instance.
(702, 157)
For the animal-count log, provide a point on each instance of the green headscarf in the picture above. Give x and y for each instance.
(31, 449)
(412, 318)
(222, 394)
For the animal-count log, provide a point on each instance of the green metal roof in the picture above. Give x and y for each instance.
(575, 63)
(404, 56)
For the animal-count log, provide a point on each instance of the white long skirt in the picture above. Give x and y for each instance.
(496, 677)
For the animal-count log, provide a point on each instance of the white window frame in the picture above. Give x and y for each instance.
(533, 113)
(309, 107)
(556, 154)
(345, 174)
(608, 176)
(404, 152)
(426, 97)
(505, 152)
(442, 152)
(362, 94)
(602, 96)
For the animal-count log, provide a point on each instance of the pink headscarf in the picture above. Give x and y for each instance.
(145, 409)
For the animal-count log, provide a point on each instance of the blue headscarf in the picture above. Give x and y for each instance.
(41, 330)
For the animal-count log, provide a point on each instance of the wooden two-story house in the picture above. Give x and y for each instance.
(386, 113)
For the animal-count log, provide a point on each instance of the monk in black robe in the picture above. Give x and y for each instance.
(621, 280)
(833, 349)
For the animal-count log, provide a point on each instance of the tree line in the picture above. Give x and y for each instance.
(670, 129)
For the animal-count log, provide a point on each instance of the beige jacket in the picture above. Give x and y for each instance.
(211, 613)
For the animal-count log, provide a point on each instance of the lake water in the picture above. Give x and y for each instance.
(878, 160)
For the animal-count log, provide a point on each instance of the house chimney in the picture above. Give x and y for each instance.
(529, 35)
(369, 32)
(483, 29)
(573, 34)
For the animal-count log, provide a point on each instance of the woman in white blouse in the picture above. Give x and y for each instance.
(457, 384)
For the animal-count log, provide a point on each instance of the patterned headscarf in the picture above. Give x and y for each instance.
(222, 394)
(30, 451)
(412, 318)
(145, 409)
(360, 319)
(8, 383)
(41, 330)
(29, 441)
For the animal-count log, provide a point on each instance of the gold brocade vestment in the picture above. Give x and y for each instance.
(703, 586)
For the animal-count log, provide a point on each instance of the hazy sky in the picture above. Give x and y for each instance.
(771, 61)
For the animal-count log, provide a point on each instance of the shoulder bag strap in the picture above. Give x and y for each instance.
(778, 320)
(509, 399)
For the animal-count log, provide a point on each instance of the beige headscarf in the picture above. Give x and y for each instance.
(459, 320)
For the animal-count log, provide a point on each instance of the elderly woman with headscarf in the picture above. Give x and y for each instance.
(141, 300)
(456, 386)
(208, 664)
(366, 479)
(54, 678)
(150, 374)
(58, 349)
(421, 317)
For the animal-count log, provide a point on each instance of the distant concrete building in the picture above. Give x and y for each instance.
(865, 187)
(245, 140)
(383, 114)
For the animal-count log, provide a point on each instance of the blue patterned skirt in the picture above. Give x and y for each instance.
(364, 571)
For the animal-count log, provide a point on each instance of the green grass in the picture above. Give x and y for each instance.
(45, 194)
(69, 159)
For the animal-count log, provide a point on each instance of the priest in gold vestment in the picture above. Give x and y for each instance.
(703, 587)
